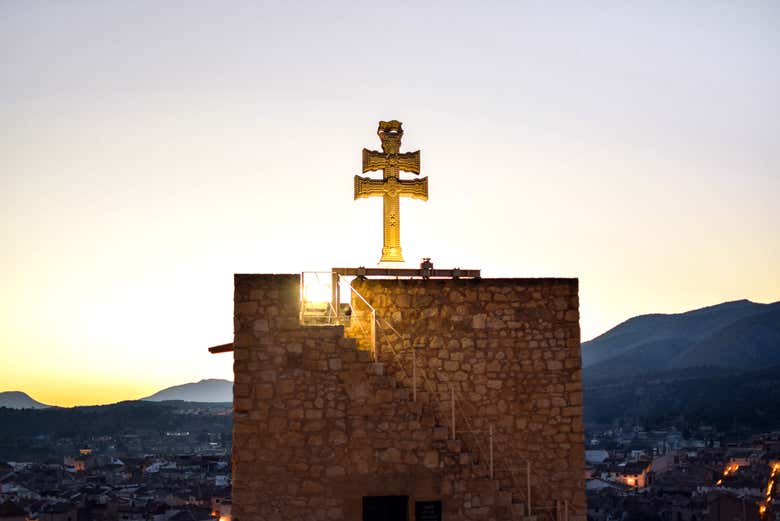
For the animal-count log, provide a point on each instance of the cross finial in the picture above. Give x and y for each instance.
(391, 187)
(390, 132)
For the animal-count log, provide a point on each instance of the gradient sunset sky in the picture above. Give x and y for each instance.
(149, 150)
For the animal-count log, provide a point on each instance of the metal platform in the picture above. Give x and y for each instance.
(424, 273)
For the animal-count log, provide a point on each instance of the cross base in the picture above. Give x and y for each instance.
(391, 254)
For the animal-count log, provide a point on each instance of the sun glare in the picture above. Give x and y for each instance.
(317, 287)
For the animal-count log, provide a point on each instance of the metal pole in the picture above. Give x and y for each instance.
(300, 299)
(335, 294)
(373, 335)
(491, 451)
(528, 483)
(414, 374)
(452, 392)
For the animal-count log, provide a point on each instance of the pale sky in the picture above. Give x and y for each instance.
(149, 150)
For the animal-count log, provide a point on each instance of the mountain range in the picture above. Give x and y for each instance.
(718, 365)
(204, 391)
(740, 335)
(19, 400)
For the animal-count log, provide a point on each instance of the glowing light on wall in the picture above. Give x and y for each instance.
(316, 287)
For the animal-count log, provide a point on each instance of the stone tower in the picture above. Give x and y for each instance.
(463, 402)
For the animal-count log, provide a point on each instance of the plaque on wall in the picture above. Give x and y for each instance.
(385, 508)
(427, 511)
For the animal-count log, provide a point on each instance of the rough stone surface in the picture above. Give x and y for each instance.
(318, 424)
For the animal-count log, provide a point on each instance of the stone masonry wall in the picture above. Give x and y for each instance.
(318, 424)
(511, 348)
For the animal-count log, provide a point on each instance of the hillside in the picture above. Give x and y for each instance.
(735, 335)
(206, 391)
(114, 419)
(19, 400)
(718, 365)
(751, 342)
(746, 401)
(48, 434)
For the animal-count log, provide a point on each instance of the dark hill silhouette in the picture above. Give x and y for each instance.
(734, 335)
(19, 400)
(745, 401)
(205, 391)
(751, 342)
(137, 418)
(718, 365)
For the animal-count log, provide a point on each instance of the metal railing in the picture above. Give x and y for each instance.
(370, 332)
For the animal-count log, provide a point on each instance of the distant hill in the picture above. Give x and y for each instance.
(32, 434)
(205, 391)
(718, 365)
(740, 335)
(738, 401)
(19, 400)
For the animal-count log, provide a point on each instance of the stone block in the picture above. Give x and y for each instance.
(335, 471)
(242, 404)
(451, 365)
(479, 321)
(246, 308)
(260, 325)
(390, 455)
(311, 488)
(338, 437)
(431, 459)
(264, 391)
(241, 390)
(554, 365)
(441, 433)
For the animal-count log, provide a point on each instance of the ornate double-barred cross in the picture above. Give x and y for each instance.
(391, 187)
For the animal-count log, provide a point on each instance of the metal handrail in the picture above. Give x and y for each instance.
(362, 298)
(397, 356)
(372, 328)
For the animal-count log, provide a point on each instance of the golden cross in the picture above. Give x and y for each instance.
(391, 187)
